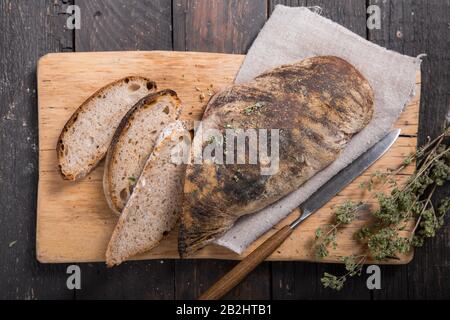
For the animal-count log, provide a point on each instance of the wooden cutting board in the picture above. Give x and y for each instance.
(74, 223)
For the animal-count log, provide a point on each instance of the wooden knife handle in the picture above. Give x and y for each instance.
(243, 268)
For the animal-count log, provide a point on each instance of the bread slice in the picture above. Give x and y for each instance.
(154, 206)
(87, 135)
(133, 143)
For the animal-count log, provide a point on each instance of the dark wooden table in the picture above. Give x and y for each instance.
(30, 29)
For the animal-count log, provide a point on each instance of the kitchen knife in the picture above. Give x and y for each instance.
(315, 202)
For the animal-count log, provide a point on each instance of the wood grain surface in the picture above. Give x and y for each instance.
(74, 223)
(21, 276)
(30, 29)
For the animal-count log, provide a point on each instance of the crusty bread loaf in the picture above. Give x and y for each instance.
(317, 105)
(133, 142)
(154, 206)
(87, 135)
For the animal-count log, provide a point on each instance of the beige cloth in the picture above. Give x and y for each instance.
(292, 34)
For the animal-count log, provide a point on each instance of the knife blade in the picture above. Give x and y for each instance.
(345, 177)
(315, 202)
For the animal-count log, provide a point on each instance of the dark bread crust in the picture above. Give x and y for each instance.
(318, 104)
(121, 131)
(72, 120)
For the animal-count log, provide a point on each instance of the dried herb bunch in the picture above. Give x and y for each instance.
(326, 236)
(402, 219)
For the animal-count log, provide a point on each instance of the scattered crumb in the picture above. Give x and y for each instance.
(11, 244)
(210, 91)
(10, 116)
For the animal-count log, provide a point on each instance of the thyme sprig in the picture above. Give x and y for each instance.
(407, 205)
(353, 266)
(344, 213)
(254, 108)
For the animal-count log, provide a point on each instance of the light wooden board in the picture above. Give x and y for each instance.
(74, 223)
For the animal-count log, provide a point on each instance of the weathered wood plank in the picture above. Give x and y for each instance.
(29, 29)
(116, 26)
(194, 277)
(129, 281)
(124, 25)
(349, 13)
(290, 3)
(414, 27)
(227, 26)
(296, 280)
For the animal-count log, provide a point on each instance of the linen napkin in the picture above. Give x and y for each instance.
(292, 34)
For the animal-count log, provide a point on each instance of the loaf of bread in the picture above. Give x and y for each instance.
(155, 204)
(87, 135)
(133, 142)
(317, 105)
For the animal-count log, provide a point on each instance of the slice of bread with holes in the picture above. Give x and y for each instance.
(87, 135)
(155, 204)
(133, 142)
